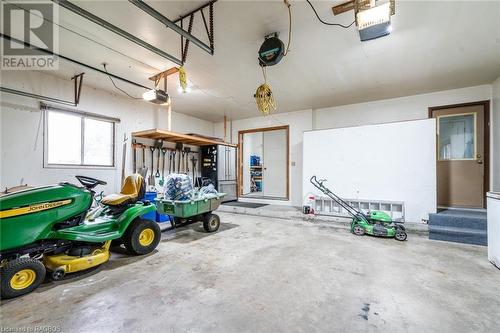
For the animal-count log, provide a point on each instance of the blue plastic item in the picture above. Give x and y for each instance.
(150, 196)
(254, 160)
(162, 218)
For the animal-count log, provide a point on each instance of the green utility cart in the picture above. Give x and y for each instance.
(198, 210)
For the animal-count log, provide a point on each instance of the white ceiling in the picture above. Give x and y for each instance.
(435, 45)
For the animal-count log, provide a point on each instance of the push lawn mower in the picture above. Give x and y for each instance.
(375, 223)
(51, 228)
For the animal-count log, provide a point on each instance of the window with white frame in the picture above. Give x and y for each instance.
(75, 139)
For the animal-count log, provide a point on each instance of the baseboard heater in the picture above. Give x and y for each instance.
(326, 206)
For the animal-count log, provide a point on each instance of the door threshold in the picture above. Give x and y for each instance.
(467, 209)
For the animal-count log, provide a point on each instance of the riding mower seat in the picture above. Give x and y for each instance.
(133, 189)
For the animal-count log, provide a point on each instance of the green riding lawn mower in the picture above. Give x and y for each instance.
(54, 230)
(375, 223)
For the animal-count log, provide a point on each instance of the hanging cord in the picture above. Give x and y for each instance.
(123, 91)
(289, 26)
(328, 23)
(264, 96)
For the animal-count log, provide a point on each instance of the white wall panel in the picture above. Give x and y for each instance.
(394, 162)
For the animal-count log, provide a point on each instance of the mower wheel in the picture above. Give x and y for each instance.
(400, 235)
(358, 230)
(142, 236)
(21, 276)
(211, 222)
(57, 274)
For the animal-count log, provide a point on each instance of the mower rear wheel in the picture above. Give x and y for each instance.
(211, 222)
(21, 276)
(142, 236)
(400, 235)
(358, 230)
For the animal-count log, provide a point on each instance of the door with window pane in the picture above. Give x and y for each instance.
(460, 156)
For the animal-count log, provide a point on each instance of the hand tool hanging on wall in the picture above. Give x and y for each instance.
(172, 162)
(178, 147)
(134, 155)
(143, 156)
(164, 154)
(143, 170)
(151, 180)
(194, 163)
(124, 157)
(187, 151)
(158, 146)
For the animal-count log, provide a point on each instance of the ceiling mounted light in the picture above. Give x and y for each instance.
(375, 22)
(156, 97)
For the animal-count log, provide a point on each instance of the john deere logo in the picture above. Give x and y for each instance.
(33, 208)
(47, 205)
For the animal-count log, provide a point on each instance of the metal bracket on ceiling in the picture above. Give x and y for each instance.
(163, 75)
(209, 27)
(78, 79)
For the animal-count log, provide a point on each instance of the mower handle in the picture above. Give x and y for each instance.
(314, 179)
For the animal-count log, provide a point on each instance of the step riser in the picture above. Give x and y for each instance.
(464, 238)
(459, 222)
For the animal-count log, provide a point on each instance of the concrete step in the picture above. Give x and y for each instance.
(458, 235)
(459, 226)
(459, 219)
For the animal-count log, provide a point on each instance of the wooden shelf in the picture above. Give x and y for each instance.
(157, 134)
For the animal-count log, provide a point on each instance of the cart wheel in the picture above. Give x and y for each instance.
(400, 235)
(58, 274)
(142, 236)
(21, 276)
(211, 222)
(358, 230)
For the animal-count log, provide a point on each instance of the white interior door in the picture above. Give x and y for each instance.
(275, 159)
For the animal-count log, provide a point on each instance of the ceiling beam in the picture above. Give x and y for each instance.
(28, 45)
(157, 15)
(108, 26)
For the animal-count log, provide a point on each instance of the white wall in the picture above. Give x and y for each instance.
(389, 162)
(396, 109)
(495, 120)
(299, 122)
(22, 128)
(383, 111)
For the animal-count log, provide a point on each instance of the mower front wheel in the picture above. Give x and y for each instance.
(142, 236)
(358, 230)
(21, 276)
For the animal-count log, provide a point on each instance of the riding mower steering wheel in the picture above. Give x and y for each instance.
(89, 183)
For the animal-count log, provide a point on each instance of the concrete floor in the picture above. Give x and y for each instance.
(259, 274)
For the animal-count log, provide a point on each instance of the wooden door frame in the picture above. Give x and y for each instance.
(486, 133)
(240, 157)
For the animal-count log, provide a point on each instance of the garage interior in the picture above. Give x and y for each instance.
(243, 166)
